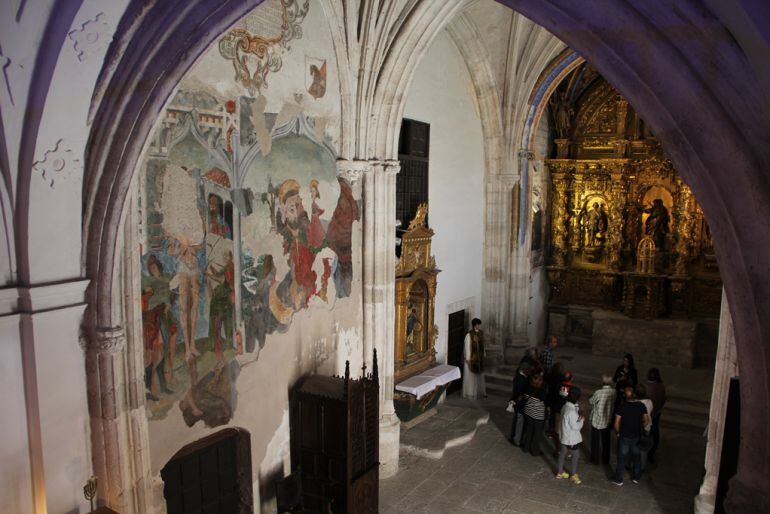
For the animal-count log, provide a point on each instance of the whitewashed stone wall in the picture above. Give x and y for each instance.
(441, 94)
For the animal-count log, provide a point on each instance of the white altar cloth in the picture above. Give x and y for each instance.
(428, 380)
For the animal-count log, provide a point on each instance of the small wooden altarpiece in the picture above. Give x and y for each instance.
(415, 300)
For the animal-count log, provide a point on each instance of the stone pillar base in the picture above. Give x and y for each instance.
(494, 357)
(390, 436)
(704, 504)
(747, 495)
(514, 349)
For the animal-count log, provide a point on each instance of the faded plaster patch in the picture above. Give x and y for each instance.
(57, 164)
(348, 347)
(319, 352)
(180, 192)
(91, 37)
(277, 461)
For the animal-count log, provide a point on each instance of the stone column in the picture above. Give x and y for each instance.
(726, 368)
(104, 374)
(520, 270)
(497, 249)
(379, 266)
(114, 357)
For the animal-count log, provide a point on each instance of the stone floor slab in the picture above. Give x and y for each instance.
(488, 474)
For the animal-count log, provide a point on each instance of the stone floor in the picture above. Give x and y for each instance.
(488, 474)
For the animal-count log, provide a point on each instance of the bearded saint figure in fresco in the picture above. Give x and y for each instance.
(294, 225)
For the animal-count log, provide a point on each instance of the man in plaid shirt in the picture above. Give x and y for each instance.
(602, 403)
(546, 358)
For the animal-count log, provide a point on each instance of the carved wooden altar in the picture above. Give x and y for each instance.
(415, 331)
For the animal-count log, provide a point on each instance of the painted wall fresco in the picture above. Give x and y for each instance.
(245, 222)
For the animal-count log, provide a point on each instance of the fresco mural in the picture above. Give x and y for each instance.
(245, 223)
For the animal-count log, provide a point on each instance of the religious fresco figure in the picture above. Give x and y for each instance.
(317, 88)
(217, 223)
(159, 328)
(221, 306)
(317, 234)
(187, 281)
(656, 225)
(293, 224)
(259, 280)
(213, 398)
(339, 237)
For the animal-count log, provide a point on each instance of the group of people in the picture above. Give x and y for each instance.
(544, 400)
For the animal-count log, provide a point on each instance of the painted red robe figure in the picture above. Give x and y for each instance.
(316, 234)
(339, 237)
(293, 225)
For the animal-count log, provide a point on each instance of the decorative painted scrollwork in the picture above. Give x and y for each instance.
(240, 45)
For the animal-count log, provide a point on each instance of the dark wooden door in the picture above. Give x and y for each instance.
(456, 337)
(210, 476)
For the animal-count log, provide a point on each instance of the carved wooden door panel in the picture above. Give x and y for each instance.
(210, 476)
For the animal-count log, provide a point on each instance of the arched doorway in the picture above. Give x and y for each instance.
(212, 474)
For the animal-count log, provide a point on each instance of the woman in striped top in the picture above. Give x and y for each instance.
(534, 415)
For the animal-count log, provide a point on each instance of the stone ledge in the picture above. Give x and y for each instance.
(450, 427)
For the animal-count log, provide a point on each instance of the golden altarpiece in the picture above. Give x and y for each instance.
(415, 300)
(626, 233)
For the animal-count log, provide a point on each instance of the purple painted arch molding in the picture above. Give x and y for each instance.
(685, 72)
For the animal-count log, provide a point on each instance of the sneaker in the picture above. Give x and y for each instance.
(576, 479)
(635, 480)
(562, 476)
(616, 482)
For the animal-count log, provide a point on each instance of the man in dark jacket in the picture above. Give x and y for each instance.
(520, 385)
(630, 418)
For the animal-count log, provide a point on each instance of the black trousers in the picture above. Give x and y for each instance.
(600, 438)
(533, 432)
(655, 434)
